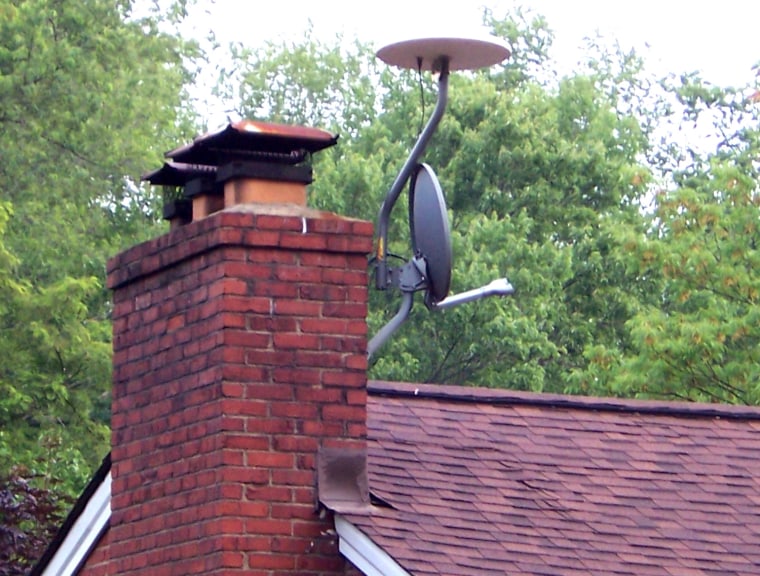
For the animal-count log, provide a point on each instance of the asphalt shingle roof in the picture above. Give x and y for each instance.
(501, 482)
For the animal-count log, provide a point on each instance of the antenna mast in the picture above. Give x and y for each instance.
(429, 268)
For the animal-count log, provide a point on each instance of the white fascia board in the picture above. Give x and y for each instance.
(363, 552)
(84, 534)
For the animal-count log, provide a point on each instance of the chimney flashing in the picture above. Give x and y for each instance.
(342, 484)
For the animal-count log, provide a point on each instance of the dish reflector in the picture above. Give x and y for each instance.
(462, 53)
(429, 226)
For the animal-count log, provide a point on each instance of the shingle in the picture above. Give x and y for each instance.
(496, 482)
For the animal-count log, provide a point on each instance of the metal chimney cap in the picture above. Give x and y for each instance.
(177, 174)
(254, 140)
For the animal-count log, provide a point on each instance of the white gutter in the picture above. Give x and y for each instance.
(83, 534)
(363, 552)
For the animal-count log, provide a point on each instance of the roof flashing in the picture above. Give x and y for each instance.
(342, 483)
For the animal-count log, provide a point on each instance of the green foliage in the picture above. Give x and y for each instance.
(701, 340)
(307, 82)
(633, 254)
(92, 95)
(549, 182)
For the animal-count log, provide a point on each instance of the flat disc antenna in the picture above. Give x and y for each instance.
(427, 53)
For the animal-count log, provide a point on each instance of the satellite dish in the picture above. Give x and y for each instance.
(429, 227)
(429, 269)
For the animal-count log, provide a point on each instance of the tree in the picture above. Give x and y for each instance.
(699, 339)
(92, 95)
(29, 518)
(538, 174)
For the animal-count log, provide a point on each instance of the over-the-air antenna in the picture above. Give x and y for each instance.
(429, 268)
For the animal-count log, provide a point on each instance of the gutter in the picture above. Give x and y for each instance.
(363, 553)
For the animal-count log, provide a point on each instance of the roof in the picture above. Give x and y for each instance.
(494, 482)
(481, 481)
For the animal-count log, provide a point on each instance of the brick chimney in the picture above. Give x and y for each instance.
(239, 354)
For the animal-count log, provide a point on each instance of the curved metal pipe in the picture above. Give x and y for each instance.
(381, 272)
(407, 299)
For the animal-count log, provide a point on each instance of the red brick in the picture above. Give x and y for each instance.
(357, 397)
(247, 442)
(303, 242)
(248, 271)
(270, 323)
(259, 238)
(267, 391)
(276, 289)
(273, 257)
(331, 225)
(268, 494)
(295, 376)
(326, 260)
(321, 429)
(319, 395)
(265, 526)
(346, 379)
(247, 339)
(298, 274)
(239, 351)
(260, 305)
(344, 413)
(324, 325)
(228, 286)
(292, 477)
(291, 510)
(270, 222)
(245, 407)
(296, 444)
(272, 561)
(297, 308)
(357, 362)
(294, 410)
(323, 292)
(344, 277)
(290, 340)
(344, 310)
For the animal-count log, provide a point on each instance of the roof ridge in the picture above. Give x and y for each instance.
(495, 396)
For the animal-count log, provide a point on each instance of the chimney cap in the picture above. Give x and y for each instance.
(177, 174)
(254, 140)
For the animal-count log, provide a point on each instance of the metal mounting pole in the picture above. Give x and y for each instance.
(381, 271)
(393, 325)
(500, 287)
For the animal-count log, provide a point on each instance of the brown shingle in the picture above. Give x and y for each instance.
(497, 482)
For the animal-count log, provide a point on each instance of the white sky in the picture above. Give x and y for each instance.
(718, 38)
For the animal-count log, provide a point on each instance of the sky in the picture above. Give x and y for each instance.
(719, 39)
